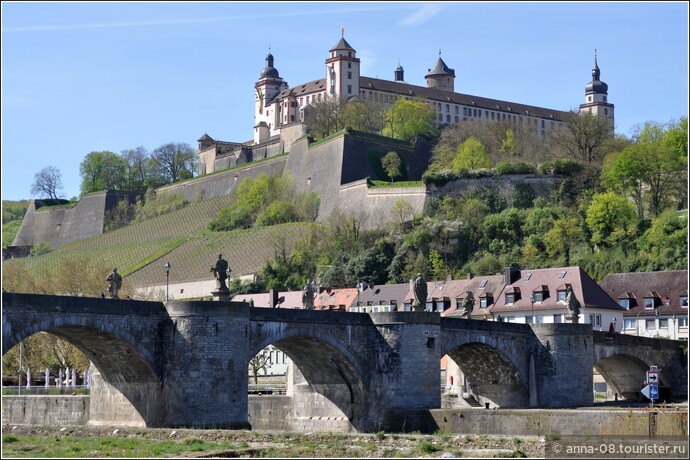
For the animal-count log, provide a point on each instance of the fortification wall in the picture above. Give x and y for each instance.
(223, 182)
(65, 225)
(374, 204)
(506, 185)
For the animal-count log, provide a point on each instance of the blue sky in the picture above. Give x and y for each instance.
(81, 77)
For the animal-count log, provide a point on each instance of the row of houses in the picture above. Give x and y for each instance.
(651, 304)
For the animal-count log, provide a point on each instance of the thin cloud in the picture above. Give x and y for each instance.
(420, 16)
(165, 22)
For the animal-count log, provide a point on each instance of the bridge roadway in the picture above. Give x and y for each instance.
(185, 363)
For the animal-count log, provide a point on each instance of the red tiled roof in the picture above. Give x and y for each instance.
(666, 286)
(550, 281)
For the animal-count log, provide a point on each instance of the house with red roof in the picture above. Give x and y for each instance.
(655, 303)
(539, 296)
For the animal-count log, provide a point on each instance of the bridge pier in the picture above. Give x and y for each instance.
(563, 365)
(204, 370)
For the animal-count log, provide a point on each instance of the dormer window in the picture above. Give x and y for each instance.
(650, 300)
(625, 303)
(560, 295)
(538, 296)
(513, 295)
(683, 301)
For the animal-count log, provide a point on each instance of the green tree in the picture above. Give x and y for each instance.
(326, 117)
(392, 165)
(102, 171)
(508, 145)
(471, 155)
(138, 172)
(408, 120)
(611, 219)
(676, 137)
(647, 172)
(564, 234)
(178, 161)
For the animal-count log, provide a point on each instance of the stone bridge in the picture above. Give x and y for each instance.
(185, 363)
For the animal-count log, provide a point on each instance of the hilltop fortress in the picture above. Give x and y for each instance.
(337, 168)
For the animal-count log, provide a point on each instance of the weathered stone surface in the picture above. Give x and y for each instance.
(186, 363)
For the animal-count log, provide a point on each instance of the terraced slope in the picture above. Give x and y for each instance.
(140, 250)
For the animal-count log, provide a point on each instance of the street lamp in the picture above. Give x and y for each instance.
(167, 278)
(531, 298)
(637, 323)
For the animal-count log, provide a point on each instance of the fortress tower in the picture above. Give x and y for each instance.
(596, 96)
(342, 70)
(441, 76)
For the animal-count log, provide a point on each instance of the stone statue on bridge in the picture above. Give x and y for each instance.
(114, 283)
(308, 295)
(220, 271)
(467, 305)
(420, 293)
(573, 304)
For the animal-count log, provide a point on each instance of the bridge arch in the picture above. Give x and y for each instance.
(495, 363)
(323, 368)
(624, 373)
(125, 369)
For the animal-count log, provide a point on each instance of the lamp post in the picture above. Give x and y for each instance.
(167, 278)
(531, 298)
(614, 324)
(637, 323)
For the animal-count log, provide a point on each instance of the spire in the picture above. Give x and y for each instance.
(342, 32)
(596, 73)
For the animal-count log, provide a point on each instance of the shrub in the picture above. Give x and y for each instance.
(563, 166)
(515, 167)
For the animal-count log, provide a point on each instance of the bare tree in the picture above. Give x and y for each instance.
(258, 363)
(47, 182)
(137, 167)
(177, 160)
(583, 136)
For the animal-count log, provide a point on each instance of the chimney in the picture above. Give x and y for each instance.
(511, 274)
(469, 276)
(273, 297)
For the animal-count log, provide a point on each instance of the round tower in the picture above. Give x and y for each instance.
(596, 95)
(441, 76)
(266, 88)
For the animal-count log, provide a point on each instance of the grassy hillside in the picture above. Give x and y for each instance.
(140, 250)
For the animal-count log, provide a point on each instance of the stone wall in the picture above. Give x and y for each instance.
(64, 225)
(537, 422)
(223, 182)
(58, 410)
(505, 184)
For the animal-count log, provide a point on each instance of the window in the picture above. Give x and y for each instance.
(606, 111)
(349, 89)
(629, 324)
(543, 123)
(558, 318)
(349, 65)
(528, 320)
(683, 301)
(457, 110)
(493, 114)
(539, 319)
(349, 75)
(604, 98)
(538, 296)
(510, 298)
(483, 302)
(589, 98)
(464, 111)
(648, 303)
(429, 306)
(663, 323)
(560, 296)
(682, 321)
(625, 303)
(448, 118)
(650, 324)
(440, 117)
(595, 320)
(447, 108)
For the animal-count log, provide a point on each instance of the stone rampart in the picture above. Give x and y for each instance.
(60, 226)
(224, 182)
(505, 184)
